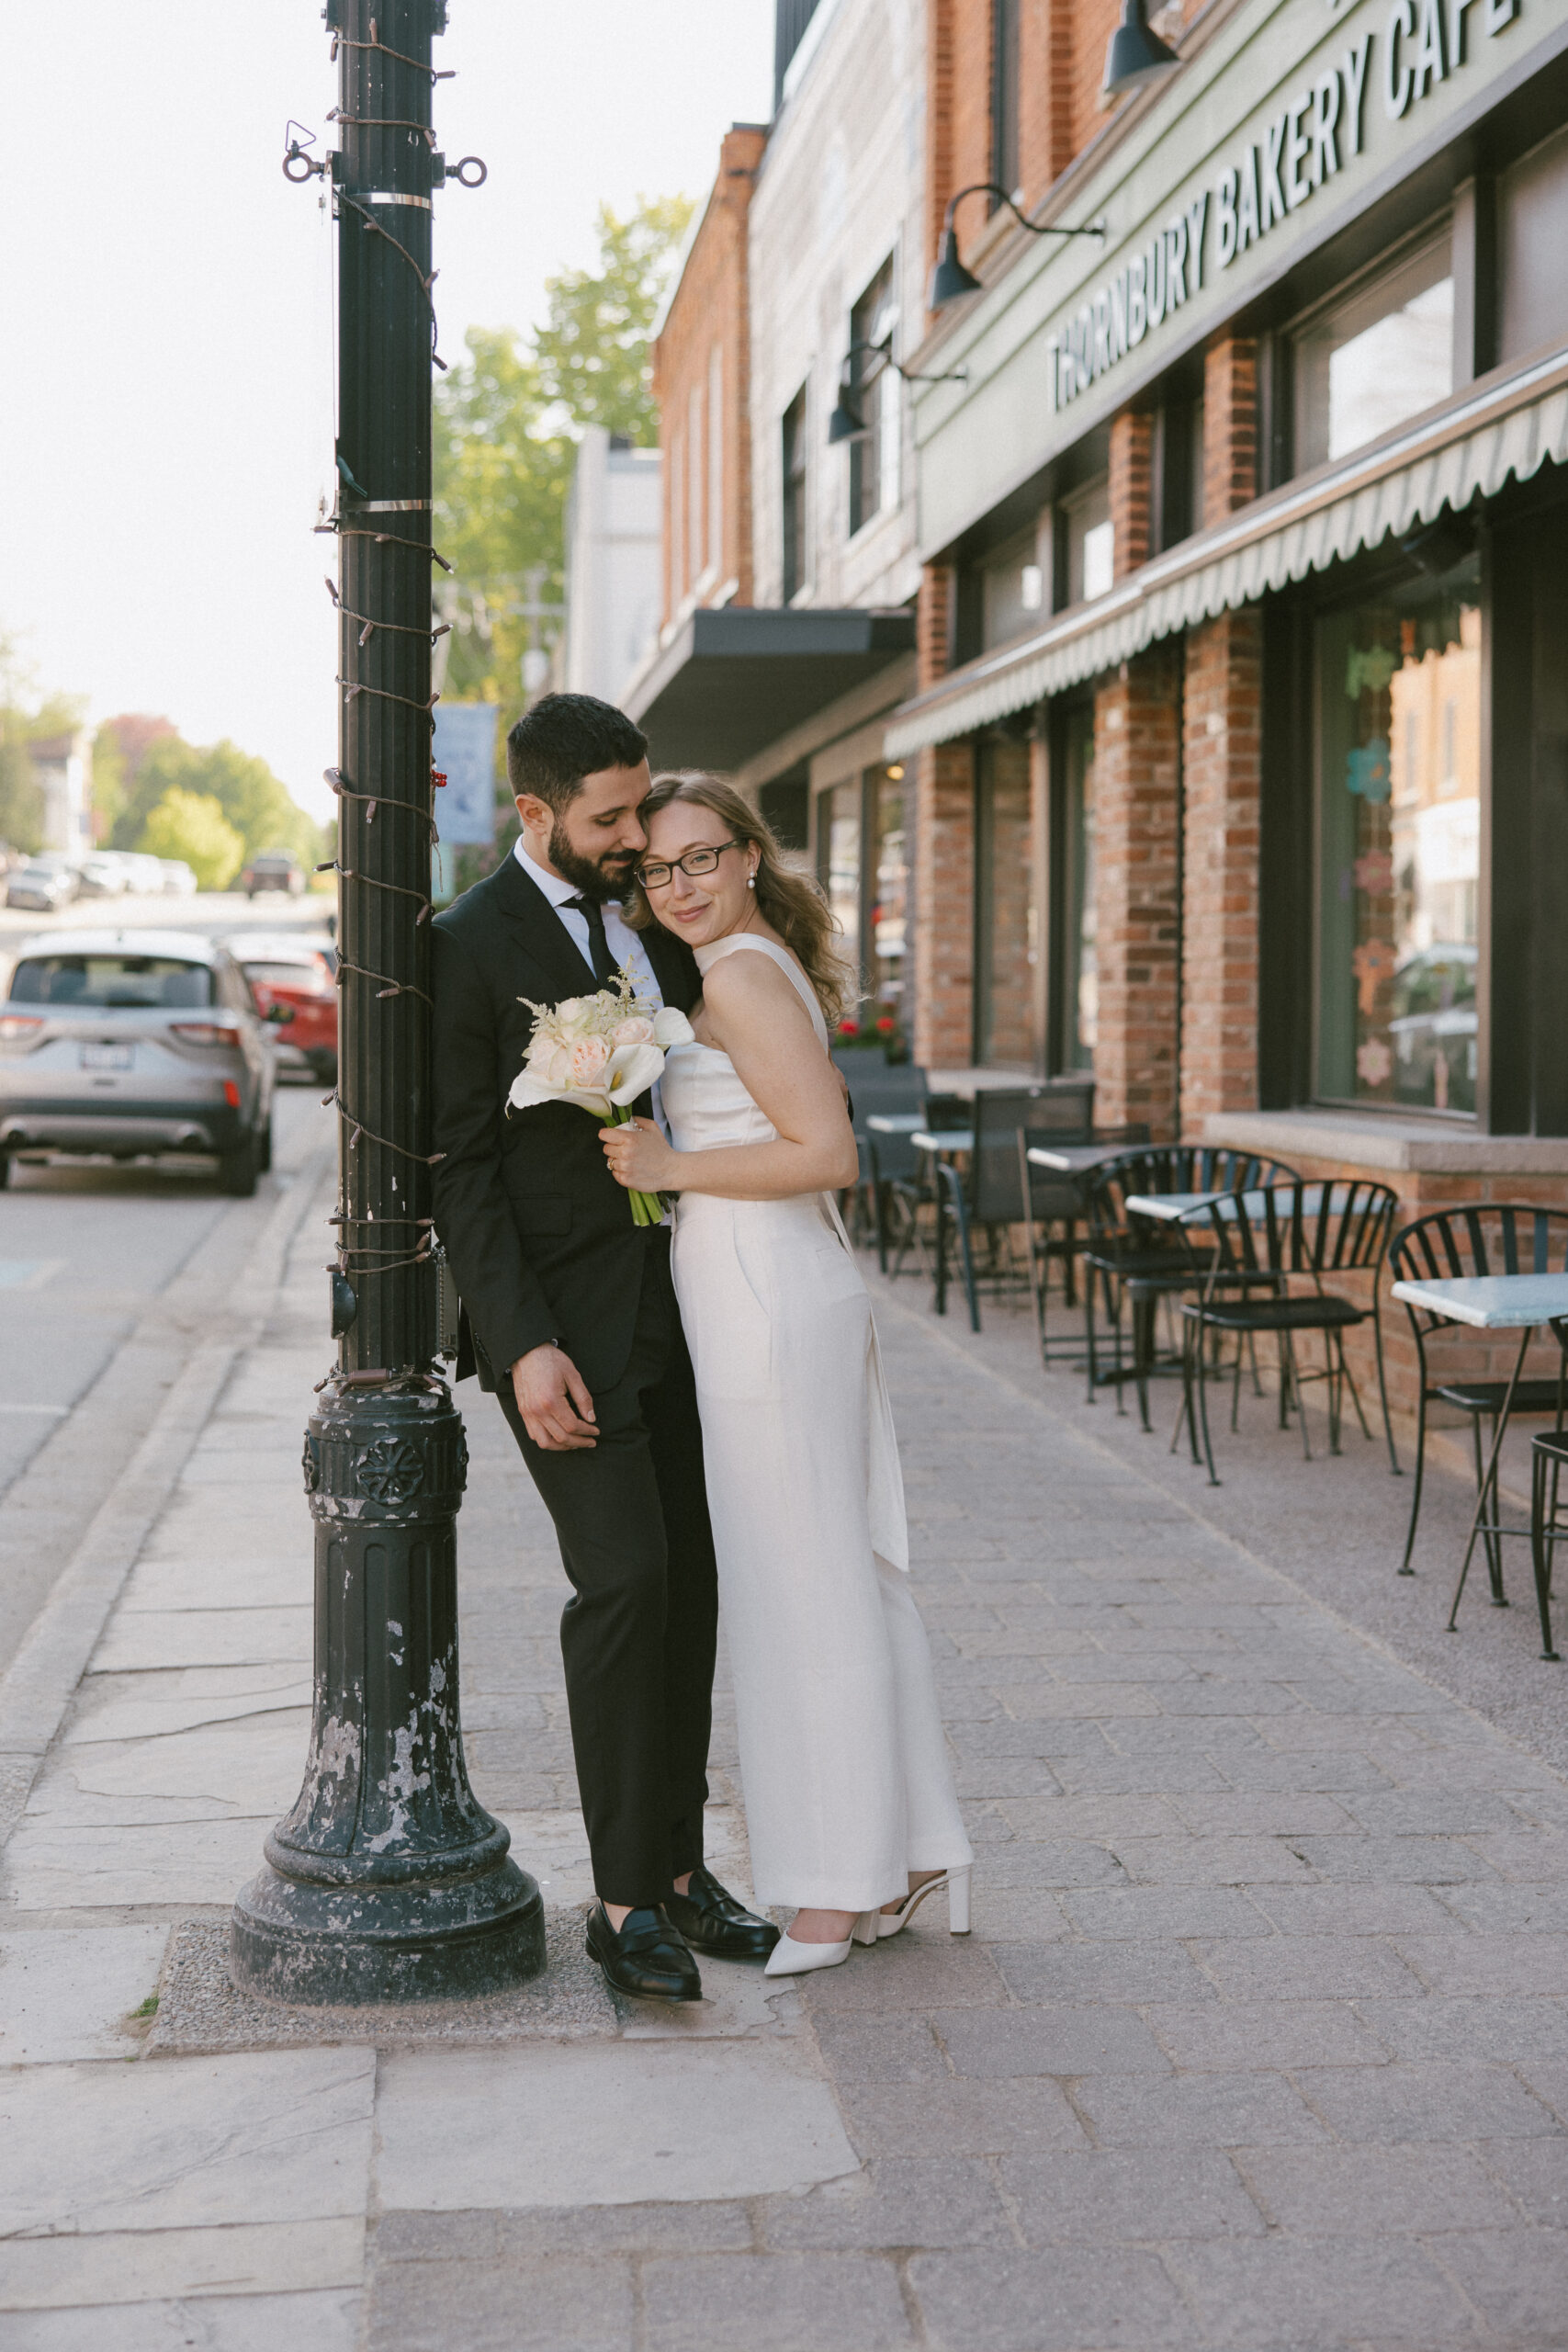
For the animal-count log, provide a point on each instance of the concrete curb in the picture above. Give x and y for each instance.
(54, 1653)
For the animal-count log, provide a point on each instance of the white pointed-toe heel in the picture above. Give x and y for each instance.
(789, 1958)
(957, 1885)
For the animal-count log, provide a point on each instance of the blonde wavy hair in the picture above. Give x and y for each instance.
(793, 903)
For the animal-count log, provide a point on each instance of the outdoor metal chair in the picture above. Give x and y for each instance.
(1054, 1206)
(1502, 1237)
(991, 1197)
(1141, 1260)
(903, 1190)
(1260, 1240)
(876, 1087)
(1548, 1451)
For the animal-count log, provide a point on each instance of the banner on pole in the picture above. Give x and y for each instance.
(463, 751)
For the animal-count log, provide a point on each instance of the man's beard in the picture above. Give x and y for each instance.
(600, 879)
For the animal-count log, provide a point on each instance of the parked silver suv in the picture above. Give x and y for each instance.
(132, 1042)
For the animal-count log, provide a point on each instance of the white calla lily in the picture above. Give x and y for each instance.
(670, 1027)
(630, 1071)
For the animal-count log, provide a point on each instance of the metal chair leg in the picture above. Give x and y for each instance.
(1203, 1417)
(1543, 1527)
(1485, 1487)
(1394, 1470)
(965, 1249)
(1404, 1568)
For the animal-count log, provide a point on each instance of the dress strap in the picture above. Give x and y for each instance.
(781, 956)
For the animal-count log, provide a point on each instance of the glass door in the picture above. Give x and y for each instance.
(1399, 846)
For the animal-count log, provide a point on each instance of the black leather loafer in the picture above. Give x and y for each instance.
(646, 1956)
(712, 1922)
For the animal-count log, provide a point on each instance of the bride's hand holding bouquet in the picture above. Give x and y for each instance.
(602, 1052)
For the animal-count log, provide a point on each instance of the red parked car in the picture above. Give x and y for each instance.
(298, 976)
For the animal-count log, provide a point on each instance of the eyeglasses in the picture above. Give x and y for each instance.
(657, 875)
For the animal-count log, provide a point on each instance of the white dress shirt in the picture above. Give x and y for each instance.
(624, 943)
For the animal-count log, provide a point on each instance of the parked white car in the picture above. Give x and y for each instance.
(179, 882)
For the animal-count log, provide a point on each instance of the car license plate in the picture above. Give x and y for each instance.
(108, 1056)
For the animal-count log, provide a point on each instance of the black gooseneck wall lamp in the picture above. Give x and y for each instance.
(1136, 57)
(950, 281)
(848, 421)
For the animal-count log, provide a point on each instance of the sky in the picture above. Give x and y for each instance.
(165, 333)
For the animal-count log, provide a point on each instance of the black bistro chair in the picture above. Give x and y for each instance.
(1140, 1260)
(876, 1088)
(900, 1184)
(990, 1199)
(1258, 1241)
(1504, 1238)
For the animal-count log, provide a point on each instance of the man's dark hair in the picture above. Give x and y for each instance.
(565, 738)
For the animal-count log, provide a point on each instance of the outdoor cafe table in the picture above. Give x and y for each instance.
(1521, 1303)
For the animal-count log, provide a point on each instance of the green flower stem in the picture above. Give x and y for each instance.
(647, 1207)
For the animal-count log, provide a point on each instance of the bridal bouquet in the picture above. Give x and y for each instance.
(600, 1052)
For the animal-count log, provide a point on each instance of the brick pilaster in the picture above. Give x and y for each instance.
(944, 906)
(934, 625)
(1222, 734)
(1135, 747)
(1230, 476)
(1132, 488)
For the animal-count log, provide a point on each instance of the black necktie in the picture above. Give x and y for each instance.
(599, 953)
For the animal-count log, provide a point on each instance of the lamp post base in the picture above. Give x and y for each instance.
(353, 1946)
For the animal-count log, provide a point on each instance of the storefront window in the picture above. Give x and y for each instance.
(1003, 886)
(1399, 687)
(1384, 354)
(838, 862)
(1081, 989)
(890, 893)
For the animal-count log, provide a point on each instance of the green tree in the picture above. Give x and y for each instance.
(501, 482)
(506, 419)
(248, 795)
(26, 719)
(192, 826)
(592, 354)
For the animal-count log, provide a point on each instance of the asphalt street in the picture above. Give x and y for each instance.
(109, 1277)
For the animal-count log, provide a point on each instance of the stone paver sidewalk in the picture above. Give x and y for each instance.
(1260, 2041)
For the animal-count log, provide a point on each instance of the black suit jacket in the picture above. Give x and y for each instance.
(539, 1235)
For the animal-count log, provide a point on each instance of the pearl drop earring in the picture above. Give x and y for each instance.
(751, 881)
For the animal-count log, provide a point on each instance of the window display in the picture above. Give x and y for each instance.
(1399, 698)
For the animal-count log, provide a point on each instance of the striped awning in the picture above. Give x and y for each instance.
(1507, 428)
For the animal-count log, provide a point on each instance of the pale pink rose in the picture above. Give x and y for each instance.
(556, 1066)
(634, 1031)
(587, 1063)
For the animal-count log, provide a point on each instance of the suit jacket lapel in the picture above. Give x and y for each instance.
(540, 931)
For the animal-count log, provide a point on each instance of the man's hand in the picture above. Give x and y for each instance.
(553, 1398)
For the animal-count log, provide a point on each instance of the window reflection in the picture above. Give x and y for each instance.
(889, 911)
(1400, 831)
(1365, 364)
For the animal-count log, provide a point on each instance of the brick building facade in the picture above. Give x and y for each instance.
(1228, 540)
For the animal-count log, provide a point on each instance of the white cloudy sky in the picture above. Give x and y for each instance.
(165, 330)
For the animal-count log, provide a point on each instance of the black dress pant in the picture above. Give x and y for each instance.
(639, 1632)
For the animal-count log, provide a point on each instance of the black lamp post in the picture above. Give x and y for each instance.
(950, 281)
(388, 1881)
(1136, 57)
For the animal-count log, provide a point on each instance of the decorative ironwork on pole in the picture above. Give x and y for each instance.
(388, 1881)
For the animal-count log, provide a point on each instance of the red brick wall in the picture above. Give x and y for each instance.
(1132, 480)
(711, 306)
(1221, 739)
(944, 906)
(1136, 746)
(1230, 427)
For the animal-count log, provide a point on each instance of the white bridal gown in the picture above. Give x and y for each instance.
(842, 1756)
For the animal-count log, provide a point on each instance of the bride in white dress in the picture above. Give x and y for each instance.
(849, 1803)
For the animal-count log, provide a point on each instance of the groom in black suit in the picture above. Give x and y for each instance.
(571, 1319)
